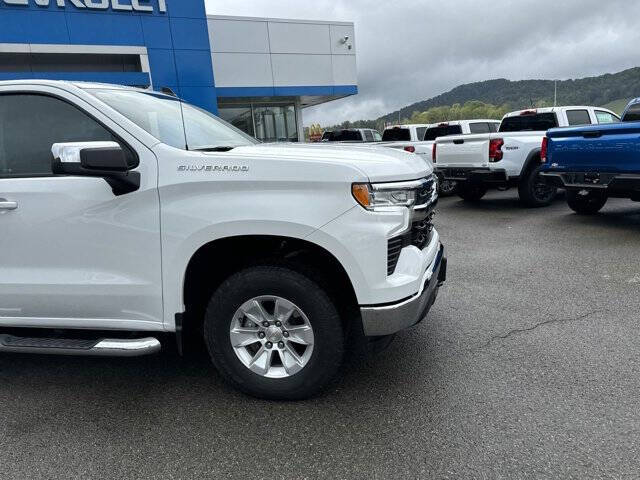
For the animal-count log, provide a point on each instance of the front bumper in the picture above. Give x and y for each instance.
(378, 320)
(472, 174)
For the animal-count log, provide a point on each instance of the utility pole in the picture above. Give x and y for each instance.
(555, 93)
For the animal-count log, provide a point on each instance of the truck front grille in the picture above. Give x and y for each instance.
(394, 247)
(419, 236)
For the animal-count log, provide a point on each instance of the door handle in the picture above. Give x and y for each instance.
(7, 205)
(592, 134)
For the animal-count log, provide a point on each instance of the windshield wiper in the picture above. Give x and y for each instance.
(222, 148)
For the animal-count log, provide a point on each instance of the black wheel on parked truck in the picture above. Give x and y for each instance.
(585, 202)
(470, 192)
(274, 333)
(533, 190)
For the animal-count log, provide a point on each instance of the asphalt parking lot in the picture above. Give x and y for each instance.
(529, 367)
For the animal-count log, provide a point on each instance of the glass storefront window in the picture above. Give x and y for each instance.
(268, 123)
(238, 116)
(276, 123)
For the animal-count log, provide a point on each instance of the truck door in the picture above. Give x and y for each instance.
(72, 253)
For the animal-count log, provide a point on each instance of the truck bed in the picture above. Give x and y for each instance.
(611, 148)
(472, 151)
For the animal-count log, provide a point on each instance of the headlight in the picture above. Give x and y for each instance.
(386, 196)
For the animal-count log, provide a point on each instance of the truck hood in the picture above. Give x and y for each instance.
(376, 163)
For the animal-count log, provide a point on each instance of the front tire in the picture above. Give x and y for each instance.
(585, 202)
(471, 192)
(274, 333)
(533, 190)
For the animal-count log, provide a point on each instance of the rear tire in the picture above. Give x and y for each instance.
(533, 191)
(272, 369)
(588, 204)
(471, 192)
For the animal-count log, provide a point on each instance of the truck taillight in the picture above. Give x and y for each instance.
(543, 150)
(495, 149)
(410, 149)
(433, 153)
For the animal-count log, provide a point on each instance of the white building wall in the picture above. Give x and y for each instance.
(258, 52)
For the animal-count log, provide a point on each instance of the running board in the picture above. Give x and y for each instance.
(107, 347)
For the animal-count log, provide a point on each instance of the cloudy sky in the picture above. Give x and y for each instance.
(410, 50)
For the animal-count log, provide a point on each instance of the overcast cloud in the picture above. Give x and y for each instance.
(411, 50)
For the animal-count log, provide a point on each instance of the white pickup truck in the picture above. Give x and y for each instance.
(130, 217)
(510, 157)
(352, 135)
(426, 135)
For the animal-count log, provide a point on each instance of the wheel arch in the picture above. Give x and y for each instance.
(216, 260)
(530, 160)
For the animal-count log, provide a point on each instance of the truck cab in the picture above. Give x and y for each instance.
(131, 218)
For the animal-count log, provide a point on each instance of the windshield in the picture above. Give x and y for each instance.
(161, 116)
(540, 122)
(442, 131)
(396, 134)
(342, 136)
(632, 114)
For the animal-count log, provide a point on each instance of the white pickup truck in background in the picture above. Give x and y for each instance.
(401, 134)
(427, 134)
(352, 135)
(510, 157)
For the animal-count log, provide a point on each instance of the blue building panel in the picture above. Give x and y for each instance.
(12, 27)
(177, 41)
(190, 34)
(186, 8)
(106, 29)
(156, 32)
(194, 68)
(163, 67)
(47, 27)
(204, 97)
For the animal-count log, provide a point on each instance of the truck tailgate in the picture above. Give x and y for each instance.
(605, 148)
(463, 151)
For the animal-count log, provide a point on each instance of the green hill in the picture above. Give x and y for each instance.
(526, 93)
(617, 105)
(493, 98)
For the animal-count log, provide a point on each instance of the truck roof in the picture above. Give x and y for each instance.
(552, 110)
(409, 125)
(75, 84)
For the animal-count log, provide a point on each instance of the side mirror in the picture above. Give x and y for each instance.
(96, 159)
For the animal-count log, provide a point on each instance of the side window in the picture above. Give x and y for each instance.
(30, 124)
(479, 127)
(606, 117)
(376, 136)
(368, 136)
(632, 114)
(493, 127)
(578, 117)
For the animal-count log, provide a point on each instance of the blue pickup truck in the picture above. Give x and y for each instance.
(595, 162)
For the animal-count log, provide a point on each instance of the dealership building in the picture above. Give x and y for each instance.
(257, 73)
